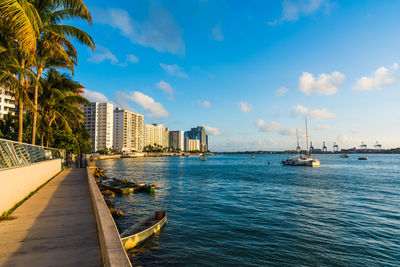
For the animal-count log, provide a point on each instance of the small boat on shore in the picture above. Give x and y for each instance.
(363, 158)
(345, 156)
(127, 187)
(143, 230)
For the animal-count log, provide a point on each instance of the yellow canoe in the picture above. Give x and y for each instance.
(143, 230)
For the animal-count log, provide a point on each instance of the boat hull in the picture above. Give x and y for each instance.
(132, 241)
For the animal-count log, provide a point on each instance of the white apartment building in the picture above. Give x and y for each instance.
(192, 144)
(155, 135)
(128, 131)
(7, 102)
(99, 123)
(177, 140)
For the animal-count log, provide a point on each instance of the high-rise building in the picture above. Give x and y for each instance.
(192, 144)
(128, 131)
(99, 123)
(7, 102)
(155, 134)
(199, 133)
(165, 138)
(176, 140)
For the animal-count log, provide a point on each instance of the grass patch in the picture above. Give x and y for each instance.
(7, 214)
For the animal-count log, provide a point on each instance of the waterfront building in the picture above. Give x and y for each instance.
(199, 133)
(155, 134)
(192, 144)
(128, 132)
(165, 138)
(99, 123)
(7, 102)
(176, 140)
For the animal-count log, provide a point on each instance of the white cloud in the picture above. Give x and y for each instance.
(166, 87)
(274, 127)
(354, 130)
(381, 77)
(158, 30)
(211, 130)
(216, 33)
(325, 84)
(281, 91)
(323, 127)
(346, 141)
(94, 96)
(132, 58)
(101, 54)
(292, 10)
(245, 107)
(206, 103)
(174, 70)
(315, 113)
(148, 104)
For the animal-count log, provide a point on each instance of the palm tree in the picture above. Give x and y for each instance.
(59, 104)
(54, 48)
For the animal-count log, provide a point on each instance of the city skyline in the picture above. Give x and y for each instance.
(250, 73)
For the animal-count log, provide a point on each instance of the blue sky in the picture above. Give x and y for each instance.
(251, 70)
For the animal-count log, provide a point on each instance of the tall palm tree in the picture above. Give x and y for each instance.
(53, 47)
(59, 104)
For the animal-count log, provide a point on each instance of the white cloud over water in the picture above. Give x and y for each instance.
(174, 70)
(102, 54)
(166, 87)
(216, 33)
(323, 127)
(381, 77)
(211, 130)
(274, 127)
(324, 84)
(94, 96)
(158, 29)
(147, 103)
(245, 107)
(315, 113)
(292, 10)
(281, 91)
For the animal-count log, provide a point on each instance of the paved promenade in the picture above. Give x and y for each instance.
(55, 227)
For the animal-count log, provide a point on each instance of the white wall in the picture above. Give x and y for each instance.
(17, 183)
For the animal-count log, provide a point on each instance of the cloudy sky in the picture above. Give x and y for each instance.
(251, 70)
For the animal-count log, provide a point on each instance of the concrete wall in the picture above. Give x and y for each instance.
(17, 183)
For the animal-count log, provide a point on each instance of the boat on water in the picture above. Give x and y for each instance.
(127, 187)
(301, 160)
(203, 158)
(363, 158)
(139, 232)
(252, 156)
(345, 156)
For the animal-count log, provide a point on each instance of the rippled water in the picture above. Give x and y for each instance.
(233, 210)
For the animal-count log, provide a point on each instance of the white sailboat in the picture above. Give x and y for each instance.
(305, 160)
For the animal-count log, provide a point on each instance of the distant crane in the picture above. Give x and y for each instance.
(363, 146)
(378, 146)
(324, 148)
(335, 147)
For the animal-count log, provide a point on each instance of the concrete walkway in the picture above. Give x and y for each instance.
(55, 227)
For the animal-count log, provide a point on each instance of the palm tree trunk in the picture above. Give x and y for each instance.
(21, 104)
(35, 103)
(42, 139)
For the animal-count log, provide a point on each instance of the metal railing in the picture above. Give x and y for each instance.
(16, 154)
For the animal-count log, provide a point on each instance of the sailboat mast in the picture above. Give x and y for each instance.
(308, 154)
(298, 147)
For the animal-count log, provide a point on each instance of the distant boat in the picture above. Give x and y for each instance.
(363, 158)
(298, 160)
(203, 158)
(143, 230)
(345, 156)
(252, 156)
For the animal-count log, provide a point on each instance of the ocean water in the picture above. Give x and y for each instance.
(235, 211)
